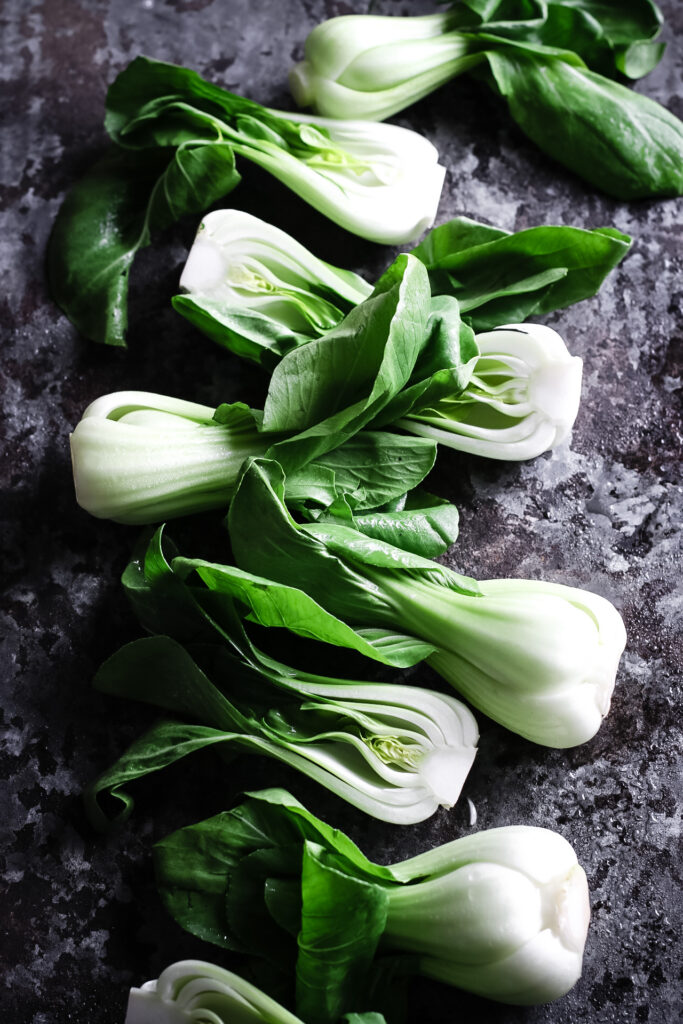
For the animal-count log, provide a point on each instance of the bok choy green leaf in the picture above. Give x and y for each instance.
(502, 913)
(196, 992)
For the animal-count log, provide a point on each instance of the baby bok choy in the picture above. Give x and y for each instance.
(139, 458)
(176, 141)
(259, 293)
(552, 61)
(196, 992)
(540, 658)
(395, 752)
(255, 284)
(502, 913)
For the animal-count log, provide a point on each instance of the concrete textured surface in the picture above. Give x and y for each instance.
(79, 917)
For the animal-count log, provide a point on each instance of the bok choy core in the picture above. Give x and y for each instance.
(539, 658)
(502, 913)
(551, 61)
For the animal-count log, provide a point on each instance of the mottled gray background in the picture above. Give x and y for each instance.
(80, 920)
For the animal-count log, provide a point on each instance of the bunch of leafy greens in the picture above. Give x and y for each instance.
(176, 138)
(537, 657)
(138, 457)
(502, 913)
(553, 61)
(196, 991)
(396, 752)
(258, 292)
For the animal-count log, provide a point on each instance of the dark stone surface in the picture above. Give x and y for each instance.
(80, 920)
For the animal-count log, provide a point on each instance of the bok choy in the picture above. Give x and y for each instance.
(196, 992)
(540, 658)
(139, 457)
(396, 752)
(502, 913)
(176, 139)
(548, 59)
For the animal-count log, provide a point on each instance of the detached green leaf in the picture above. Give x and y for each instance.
(618, 140)
(109, 215)
(502, 277)
(99, 228)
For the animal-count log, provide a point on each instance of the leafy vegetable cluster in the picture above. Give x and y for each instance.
(396, 752)
(176, 138)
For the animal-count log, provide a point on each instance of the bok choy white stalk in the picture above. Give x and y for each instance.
(522, 399)
(502, 913)
(372, 66)
(383, 185)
